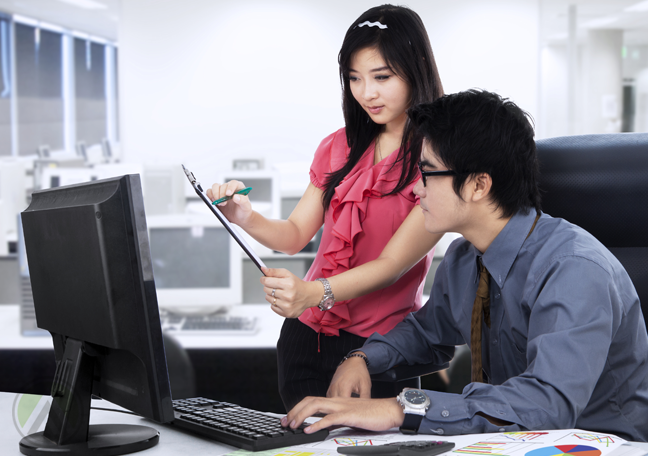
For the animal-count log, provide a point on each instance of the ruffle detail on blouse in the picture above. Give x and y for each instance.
(348, 209)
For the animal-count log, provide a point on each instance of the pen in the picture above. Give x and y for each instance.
(243, 191)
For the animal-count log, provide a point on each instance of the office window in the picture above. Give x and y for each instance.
(5, 87)
(90, 91)
(39, 88)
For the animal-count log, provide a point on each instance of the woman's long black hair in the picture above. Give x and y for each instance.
(405, 47)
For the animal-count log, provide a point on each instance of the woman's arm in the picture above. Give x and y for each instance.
(408, 245)
(288, 236)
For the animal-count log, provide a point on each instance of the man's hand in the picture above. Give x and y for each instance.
(350, 377)
(370, 414)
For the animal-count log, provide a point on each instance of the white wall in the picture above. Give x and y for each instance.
(203, 81)
(554, 81)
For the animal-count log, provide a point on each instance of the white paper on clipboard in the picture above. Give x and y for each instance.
(226, 223)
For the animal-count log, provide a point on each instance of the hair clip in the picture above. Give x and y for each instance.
(373, 24)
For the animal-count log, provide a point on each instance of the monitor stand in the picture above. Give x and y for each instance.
(68, 430)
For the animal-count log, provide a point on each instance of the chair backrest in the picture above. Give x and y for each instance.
(600, 183)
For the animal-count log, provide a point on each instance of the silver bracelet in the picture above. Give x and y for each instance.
(359, 355)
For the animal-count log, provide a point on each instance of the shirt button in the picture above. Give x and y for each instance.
(502, 429)
(445, 414)
(497, 295)
(494, 341)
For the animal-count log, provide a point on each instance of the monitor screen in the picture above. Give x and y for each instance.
(197, 264)
(92, 283)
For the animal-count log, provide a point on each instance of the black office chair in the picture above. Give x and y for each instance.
(180, 368)
(391, 382)
(600, 183)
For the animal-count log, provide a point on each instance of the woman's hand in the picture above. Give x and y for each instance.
(238, 210)
(291, 294)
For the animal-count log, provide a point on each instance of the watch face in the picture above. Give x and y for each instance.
(328, 303)
(415, 397)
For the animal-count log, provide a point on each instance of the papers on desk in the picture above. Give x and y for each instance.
(567, 442)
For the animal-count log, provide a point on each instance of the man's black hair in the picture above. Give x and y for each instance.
(480, 132)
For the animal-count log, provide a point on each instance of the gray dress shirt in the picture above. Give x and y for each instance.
(567, 346)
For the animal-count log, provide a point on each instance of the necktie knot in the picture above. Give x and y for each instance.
(483, 287)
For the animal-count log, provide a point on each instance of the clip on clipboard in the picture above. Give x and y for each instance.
(226, 223)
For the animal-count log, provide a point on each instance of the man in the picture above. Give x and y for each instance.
(557, 335)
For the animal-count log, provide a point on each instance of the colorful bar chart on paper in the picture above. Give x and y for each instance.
(565, 450)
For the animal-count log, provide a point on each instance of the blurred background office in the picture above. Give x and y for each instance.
(247, 89)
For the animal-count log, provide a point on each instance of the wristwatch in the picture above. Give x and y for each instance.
(415, 404)
(328, 299)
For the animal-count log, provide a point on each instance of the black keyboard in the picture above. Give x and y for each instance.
(238, 426)
(208, 324)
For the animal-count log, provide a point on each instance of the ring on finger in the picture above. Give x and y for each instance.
(274, 302)
(273, 292)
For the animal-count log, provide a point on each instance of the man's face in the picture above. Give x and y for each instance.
(443, 210)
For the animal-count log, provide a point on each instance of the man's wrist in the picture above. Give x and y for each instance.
(357, 354)
(399, 414)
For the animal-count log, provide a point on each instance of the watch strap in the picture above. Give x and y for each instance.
(411, 423)
(328, 299)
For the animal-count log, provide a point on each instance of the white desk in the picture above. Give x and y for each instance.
(269, 327)
(172, 442)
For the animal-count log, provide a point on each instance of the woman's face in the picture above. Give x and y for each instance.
(381, 93)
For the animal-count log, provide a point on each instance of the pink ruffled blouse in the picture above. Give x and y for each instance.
(358, 225)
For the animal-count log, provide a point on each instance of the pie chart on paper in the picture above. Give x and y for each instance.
(566, 450)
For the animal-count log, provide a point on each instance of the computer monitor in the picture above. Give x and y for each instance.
(93, 289)
(164, 191)
(43, 151)
(197, 264)
(54, 176)
(81, 150)
(13, 194)
(94, 155)
(107, 150)
(28, 326)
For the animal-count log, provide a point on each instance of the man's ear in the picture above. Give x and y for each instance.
(480, 187)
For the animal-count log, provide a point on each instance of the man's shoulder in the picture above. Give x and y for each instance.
(557, 239)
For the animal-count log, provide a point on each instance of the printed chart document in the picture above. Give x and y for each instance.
(565, 442)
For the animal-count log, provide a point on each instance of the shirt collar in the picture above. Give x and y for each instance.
(504, 249)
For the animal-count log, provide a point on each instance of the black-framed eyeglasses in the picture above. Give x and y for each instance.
(426, 174)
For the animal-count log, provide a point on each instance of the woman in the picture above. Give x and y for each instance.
(374, 253)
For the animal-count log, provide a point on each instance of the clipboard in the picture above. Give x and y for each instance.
(226, 223)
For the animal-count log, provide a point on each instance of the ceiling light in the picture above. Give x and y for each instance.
(637, 7)
(87, 4)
